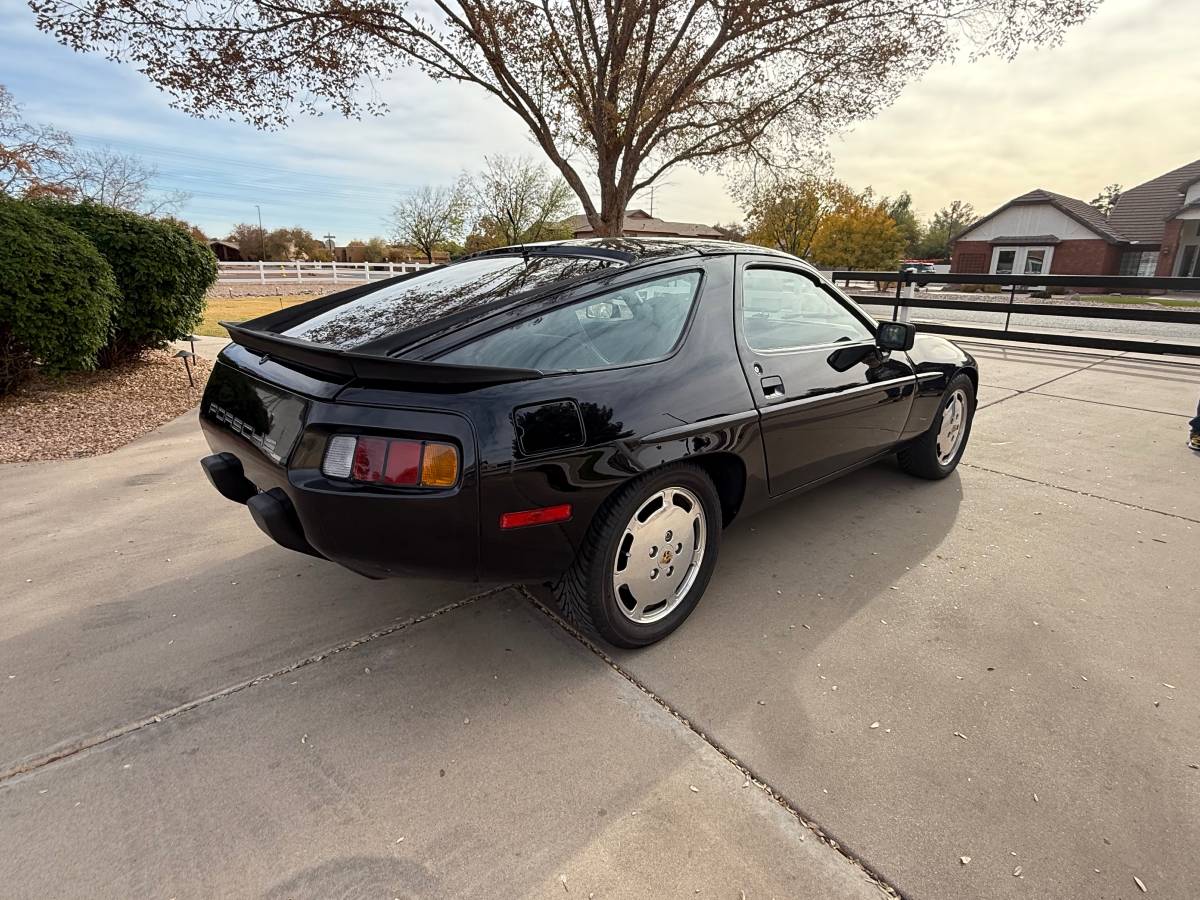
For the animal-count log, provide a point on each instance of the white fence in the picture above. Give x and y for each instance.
(269, 272)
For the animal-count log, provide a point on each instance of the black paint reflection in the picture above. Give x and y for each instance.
(418, 301)
(270, 420)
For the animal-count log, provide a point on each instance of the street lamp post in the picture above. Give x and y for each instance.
(262, 235)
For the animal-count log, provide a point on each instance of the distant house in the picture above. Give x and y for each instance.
(639, 223)
(226, 251)
(1153, 230)
(357, 253)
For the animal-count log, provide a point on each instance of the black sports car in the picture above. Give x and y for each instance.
(587, 413)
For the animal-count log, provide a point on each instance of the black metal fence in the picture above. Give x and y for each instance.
(1122, 284)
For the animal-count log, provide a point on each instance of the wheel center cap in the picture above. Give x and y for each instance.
(667, 556)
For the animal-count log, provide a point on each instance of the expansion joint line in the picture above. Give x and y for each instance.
(1059, 487)
(74, 748)
(806, 821)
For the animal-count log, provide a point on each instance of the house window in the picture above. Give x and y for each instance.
(1189, 262)
(1035, 260)
(1021, 260)
(1141, 263)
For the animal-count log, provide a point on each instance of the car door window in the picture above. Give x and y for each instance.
(633, 324)
(783, 309)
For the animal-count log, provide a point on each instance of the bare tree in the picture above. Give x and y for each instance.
(429, 218)
(517, 200)
(32, 156)
(121, 180)
(614, 93)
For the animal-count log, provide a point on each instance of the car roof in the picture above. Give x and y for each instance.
(635, 249)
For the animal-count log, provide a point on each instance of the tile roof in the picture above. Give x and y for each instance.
(639, 224)
(1027, 239)
(1083, 213)
(1141, 211)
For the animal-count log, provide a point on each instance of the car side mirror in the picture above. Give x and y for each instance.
(895, 335)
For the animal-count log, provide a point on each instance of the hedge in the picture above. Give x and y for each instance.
(57, 295)
(162, 271)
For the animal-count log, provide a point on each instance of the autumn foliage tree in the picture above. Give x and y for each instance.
(614, 93)
(786, 213)
(859, 235)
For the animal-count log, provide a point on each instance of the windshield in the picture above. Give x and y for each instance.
(426, 298)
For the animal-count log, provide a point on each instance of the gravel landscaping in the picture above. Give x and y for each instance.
(96, 412)
(309, 291)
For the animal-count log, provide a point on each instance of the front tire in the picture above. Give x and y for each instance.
(936, 453)
(647, 558)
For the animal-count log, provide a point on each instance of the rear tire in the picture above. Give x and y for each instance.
(936, 453)
(647, 558)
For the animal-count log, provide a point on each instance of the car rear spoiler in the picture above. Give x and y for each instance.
(347, 363)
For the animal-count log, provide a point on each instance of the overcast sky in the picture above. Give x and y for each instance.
(1117, 102)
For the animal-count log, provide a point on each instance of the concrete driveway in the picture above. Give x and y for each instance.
(885, 678)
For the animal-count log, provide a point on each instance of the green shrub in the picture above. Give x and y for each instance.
(162, 271)
(57, 295)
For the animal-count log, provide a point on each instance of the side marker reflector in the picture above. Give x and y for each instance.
(541, 516)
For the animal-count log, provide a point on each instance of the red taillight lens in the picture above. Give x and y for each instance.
(541, 516)
(369, 454)
(395, 461)
(403, 462)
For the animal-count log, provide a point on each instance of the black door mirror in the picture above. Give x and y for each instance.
(895, 335)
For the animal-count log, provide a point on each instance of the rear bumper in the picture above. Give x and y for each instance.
(382, 532)
(376, 534)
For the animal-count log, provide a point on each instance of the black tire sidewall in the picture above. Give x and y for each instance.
(609, 620)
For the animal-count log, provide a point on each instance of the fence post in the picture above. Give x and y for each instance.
(896, 305)
(391, 268)
(335, 270)
(299, 274)
(1012, 295)
(262, 273)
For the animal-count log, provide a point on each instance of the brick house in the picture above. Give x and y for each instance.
(1154, 229)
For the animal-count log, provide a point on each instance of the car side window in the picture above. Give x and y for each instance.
(784, 309)
(629, 325)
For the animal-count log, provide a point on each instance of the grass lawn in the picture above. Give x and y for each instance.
(240, 309)
(1140, 301)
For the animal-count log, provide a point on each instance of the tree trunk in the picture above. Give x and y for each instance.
(610, 221)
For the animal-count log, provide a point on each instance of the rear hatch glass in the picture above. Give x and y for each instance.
(425, 298)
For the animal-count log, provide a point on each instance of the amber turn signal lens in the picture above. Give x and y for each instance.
(439, 465)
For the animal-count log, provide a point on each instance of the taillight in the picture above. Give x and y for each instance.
(377, 460)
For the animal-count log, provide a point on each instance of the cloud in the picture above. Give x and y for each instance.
(1113, 103)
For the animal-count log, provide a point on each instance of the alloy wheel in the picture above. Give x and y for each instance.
(659, 555)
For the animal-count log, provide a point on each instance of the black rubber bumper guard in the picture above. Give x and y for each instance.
(271, 510)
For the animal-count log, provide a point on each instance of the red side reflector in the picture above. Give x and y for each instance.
(403, 462)
(369, 454)
(540, 516)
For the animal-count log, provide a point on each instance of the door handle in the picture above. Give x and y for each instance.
(772, 386)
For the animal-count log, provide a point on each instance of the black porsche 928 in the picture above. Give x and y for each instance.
(590, 414)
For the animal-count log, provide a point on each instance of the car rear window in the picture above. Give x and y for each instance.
(633, 324)
(425, 298)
